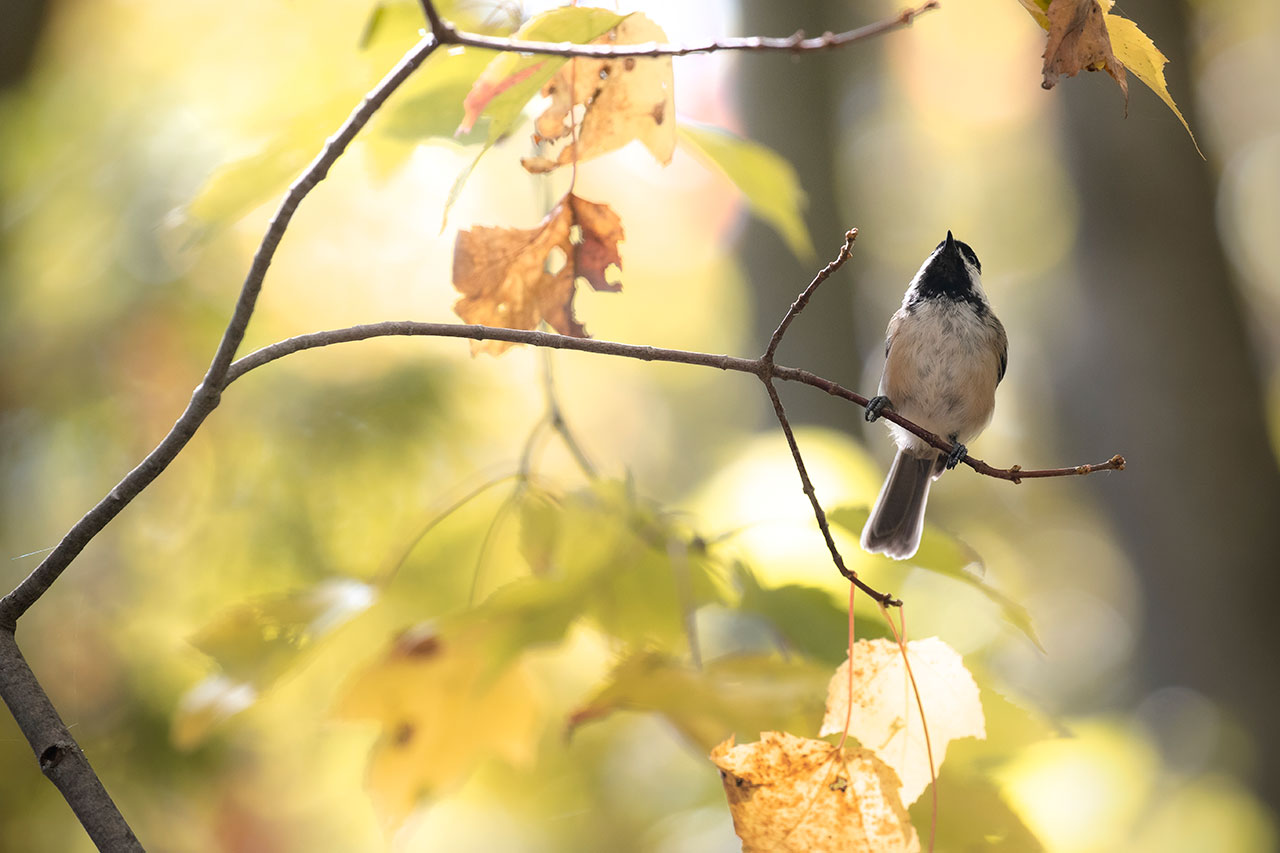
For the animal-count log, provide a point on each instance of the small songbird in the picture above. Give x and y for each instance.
(945, 353)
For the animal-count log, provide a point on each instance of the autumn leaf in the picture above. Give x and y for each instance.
(788, 794)
(441, 713)
(623, 99)
(510, 278)
(257, 642)
(885, 716)
(1078, 41)
(511, 79)
(1120, 46)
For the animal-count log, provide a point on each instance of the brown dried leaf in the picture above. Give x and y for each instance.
(510, 278)
(788, 793)
(624, 99)
(1078, 40)
(885, 716)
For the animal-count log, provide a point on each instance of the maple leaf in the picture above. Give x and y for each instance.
(885, 716)
(1078, 40)
(509, 277)
(442, 711)
(788, 793)
(623, 98)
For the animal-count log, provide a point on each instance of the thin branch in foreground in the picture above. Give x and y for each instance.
(795, 43)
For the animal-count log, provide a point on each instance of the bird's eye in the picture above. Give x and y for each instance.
(971, 256)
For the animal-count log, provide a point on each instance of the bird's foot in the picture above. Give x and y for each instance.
(875, 406)
(957, 454)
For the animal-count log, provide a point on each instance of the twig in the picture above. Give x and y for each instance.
(882, 597)
(803, 299)
(555, 415)
(795, 43)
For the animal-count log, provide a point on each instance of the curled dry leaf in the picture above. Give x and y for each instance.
(623, 99)
(885, 716)
(788, 793)
(1079, 41)
(515, 278)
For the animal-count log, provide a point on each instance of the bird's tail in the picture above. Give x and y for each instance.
(897, 519)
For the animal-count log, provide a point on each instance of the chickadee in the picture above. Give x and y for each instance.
(945, 353)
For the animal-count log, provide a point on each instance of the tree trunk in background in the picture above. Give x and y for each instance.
(1163, 342)
(792, 105)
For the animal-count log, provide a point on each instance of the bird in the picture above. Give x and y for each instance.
(945, 354)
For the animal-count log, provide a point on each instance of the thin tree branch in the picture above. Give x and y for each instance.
(60, 757)
(802, 300)
(754, 366)
(795, 43)
(207, 395)
(807, 485)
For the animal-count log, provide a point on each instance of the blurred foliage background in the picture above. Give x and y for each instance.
(1138, 283)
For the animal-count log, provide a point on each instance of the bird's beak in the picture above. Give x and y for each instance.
(951, 245)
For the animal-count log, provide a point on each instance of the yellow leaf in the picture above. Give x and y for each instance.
(885, 716)
(792, 795)
(1140, 55)
(441, 713)
(624, 99)
(1130, 47)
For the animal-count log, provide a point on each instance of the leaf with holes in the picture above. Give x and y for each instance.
(623, 99)
(516, 278)
(885, 717)
(441, 712)
(1087, 34)
(793, 795)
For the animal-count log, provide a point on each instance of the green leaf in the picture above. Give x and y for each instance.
(807, 619)
(977, 817)
(948, 556)
(431, 104)
(740, 695)
(257, 642)
(769, 184)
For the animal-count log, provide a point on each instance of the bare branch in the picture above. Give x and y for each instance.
(803, 299)
(796, 43)
(754, 366)
(883, 598)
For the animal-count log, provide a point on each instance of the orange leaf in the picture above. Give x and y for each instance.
(1078, 40)
(788, 794)
(512, 277)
